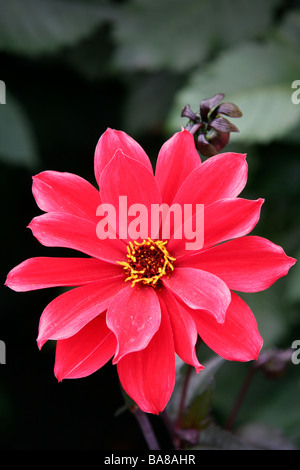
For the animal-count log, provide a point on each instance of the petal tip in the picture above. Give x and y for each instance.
(40, 342)
(38, 176)
(59, 376)
(31, 224)
(6, 282)
(9, 282)
(198, 368)
(117, 357)
(259, 348)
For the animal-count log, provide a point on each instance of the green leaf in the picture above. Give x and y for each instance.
(178, 35)
(257, 77)
(198, 383)
(197, 414)
(215, 438)
(35, 27)
(268, 112)
(17, 141)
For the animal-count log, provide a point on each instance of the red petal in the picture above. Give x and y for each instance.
(221, 177)
(42, 272)
(85, 352)
(200, 290)
(134, 317)
(148, 376)
(237, 339)
(177, 158)
(68, 231)
(248, 264)
(184, 329)
(230, 218)
(223, 220)
(110, 142)
(124, 176)
(65, 192)
(69, 312)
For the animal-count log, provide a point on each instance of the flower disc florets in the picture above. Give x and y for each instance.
(147, 262)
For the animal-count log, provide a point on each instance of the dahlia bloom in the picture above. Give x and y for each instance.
(141, 301)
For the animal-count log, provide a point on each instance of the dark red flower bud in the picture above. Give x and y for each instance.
(187, 112)
(209, 103)
(210, 129)
(204, 147)
(222, 124)
(229, 109)
(220, 140)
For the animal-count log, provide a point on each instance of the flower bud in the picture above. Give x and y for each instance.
(229, 109)
(204, 147)
(210, 129)
(209, 103)
(223, 125)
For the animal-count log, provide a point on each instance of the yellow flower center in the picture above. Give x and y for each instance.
(147, 262)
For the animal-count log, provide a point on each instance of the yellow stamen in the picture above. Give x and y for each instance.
(147, 262)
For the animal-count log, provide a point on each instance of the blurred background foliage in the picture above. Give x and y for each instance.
(74, 68)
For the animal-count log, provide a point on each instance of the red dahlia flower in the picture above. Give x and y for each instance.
(141, 301)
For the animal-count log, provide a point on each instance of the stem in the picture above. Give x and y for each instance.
(146, 428)
(185, 388)
(183, 395)
(170, 428)
(240, 398)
